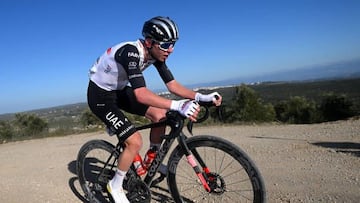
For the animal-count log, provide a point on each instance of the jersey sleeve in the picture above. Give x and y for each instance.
(164, 71)
(128, 57)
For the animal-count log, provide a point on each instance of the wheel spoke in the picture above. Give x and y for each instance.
(228, 178)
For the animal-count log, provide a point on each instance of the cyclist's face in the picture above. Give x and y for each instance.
(159, 53)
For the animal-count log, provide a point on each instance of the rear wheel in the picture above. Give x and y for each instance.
(232, 176)
(94, 171)
(97, 164)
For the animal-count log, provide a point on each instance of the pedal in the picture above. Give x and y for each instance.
(139, 192)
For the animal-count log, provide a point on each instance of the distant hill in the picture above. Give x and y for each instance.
(53, 112)
(338, 70)
(309, 77)
(269, 92)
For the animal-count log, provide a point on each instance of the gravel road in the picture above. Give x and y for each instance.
(300, 163)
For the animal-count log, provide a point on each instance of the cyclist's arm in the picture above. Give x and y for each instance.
(128, 57)
(179, 90)
(172, 85)
(146, 96)
(176, 88)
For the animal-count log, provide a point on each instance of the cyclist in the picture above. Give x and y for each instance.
(116, 82)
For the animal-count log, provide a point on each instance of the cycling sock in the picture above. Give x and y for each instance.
(118, 179)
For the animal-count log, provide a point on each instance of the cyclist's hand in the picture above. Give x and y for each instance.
(187, 108)
(214, 97)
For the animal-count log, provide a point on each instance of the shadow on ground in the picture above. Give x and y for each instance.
(351, 148)
(158, 193)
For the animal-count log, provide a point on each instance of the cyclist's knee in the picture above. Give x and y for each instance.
(134, 142)
(155, 114)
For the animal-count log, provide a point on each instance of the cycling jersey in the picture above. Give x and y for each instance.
(112, 79)
(122, 65)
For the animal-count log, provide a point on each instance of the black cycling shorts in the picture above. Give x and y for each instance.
(106, 105)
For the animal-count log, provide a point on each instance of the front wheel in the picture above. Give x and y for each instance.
(229, 172)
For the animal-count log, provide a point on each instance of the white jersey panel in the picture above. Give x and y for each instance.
(110, 75)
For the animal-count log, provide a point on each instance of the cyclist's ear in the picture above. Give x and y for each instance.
(148, 43)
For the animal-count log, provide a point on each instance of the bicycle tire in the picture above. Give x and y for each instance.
(234, 173)
(90, 162)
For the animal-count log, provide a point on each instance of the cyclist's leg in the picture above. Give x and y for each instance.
(156, 115)
(129, 103)
(133, 145)
(104, 104)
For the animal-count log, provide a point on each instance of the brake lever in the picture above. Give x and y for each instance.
(190, 124)
(206, 105)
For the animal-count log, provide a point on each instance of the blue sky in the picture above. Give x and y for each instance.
(47, 46)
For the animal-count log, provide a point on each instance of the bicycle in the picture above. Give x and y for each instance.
(201, 168)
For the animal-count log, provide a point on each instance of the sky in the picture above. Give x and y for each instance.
(48, 46)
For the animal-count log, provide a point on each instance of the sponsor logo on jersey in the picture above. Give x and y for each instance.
(107, 69)
(132, 65)
(132, 54)
(135, 76)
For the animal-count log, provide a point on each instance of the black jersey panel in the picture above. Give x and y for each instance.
(164, 71)
(128, 57)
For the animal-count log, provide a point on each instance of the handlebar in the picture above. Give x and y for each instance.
(174, 117)
(206, 106)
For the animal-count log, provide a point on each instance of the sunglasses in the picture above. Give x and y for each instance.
(165, 46)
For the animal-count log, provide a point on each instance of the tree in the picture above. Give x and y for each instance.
(29, 124)
(297, 110)
(247, 106)
(6, 131)
(88, 118)
(336, 107)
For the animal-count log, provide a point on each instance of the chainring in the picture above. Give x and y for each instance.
(137, 190)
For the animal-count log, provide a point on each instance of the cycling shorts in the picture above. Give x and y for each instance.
(107, 106)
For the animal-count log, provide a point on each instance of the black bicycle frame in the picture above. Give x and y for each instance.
(176, 123)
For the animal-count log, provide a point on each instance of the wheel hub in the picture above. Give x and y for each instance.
(216, 183)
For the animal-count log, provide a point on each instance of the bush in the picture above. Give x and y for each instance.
(6, 131)
(336, 107)
(247, 106)
(29, 125)
(88, 118)
(297, 110)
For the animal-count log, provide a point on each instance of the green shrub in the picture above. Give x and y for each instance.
(247, 106)
(336, 107)
(6, 131)
(87, 118)
(297, 110)
(28, 125)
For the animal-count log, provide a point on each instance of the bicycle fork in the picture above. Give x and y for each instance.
(191, 159)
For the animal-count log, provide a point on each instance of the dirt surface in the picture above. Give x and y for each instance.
(300, 163)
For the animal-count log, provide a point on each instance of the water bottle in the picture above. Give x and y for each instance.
(138, 164)
(149, 158)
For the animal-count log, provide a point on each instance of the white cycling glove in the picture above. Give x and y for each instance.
(185, 107)
(207, 97)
